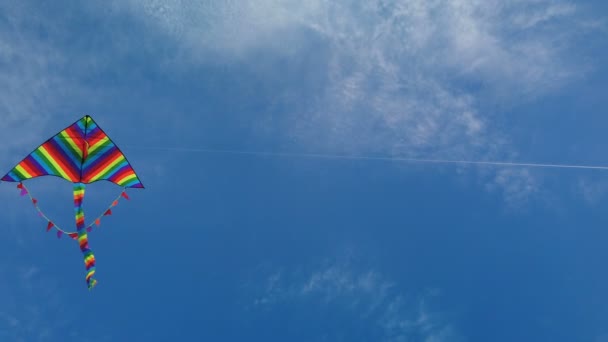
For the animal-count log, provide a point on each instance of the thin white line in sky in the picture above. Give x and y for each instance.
(355, 157)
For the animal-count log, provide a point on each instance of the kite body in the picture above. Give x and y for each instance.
(82, 154)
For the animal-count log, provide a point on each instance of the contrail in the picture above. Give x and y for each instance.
(355, 157)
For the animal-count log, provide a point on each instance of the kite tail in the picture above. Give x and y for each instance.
(83, 241)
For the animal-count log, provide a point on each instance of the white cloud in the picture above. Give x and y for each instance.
(593, 191)
(537, 16)
(376, 301)
(517, 185)
(405, 77)
(34, 79)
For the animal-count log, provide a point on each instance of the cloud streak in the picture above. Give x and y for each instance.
(375, 302)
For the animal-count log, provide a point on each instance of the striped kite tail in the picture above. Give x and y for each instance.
(83, 240)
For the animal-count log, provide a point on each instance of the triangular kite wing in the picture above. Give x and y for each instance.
(81, 153)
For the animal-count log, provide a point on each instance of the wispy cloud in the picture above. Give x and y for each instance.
(592, 190)
(517, 186)
(405, 77)
(382, 309)
(36, 77)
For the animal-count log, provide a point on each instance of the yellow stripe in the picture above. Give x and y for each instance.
(93, 148)
(70, 140)
(107, 168)
(52, 161)
(127, 178)
(22, 171)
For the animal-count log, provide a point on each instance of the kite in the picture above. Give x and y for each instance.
(82, 154)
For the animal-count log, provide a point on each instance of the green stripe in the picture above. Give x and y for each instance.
(69, 149)
(101, 147)
(115, 168)
(48, 164)
(19, 174)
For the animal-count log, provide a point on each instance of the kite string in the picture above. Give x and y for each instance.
(59, 229)
(356, 157)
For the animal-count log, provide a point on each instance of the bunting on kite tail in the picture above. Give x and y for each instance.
(82, 154)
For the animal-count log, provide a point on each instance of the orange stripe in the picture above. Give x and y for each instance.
(28, 169)
(55, 153)
(95, 173)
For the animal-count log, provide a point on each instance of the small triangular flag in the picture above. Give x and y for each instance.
(59, 233)
(89, 229)
(20, 186)
(35, 201)
(124, 194)
(23, 192)
(49, 226)
(115, 203)
(98, 222)
(108, 212)
(74, 236)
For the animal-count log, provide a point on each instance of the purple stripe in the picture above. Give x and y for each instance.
(80, 126)
(66, 157)
(118, 172)
(93, 130)
(96, 160)
(98, 153)
(9, 178)
(32, 162)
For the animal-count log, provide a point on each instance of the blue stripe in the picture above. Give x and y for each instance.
(42, 163)
(80, 125)
(92, 158)
(98, 158)
(33, 160)
(12, 176)
(92, 130)
(119, 167)
(133, 183)
(65, 155)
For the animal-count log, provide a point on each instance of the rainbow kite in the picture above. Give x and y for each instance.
(81, 154)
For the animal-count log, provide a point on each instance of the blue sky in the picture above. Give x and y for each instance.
(246, 247)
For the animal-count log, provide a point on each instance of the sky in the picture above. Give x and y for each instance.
(242, 234)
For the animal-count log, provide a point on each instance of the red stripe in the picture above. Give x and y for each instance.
(24, 164)
(125, 172)
(101, 165)
(77, 137)
(75, 134)
(56, 155)
(34, 165)
(95, 137)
